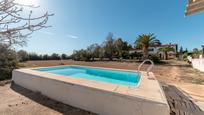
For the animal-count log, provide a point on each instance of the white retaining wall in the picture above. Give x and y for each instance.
(94, 100)
(198, 64)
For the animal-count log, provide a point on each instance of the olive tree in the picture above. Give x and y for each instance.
(109, 46)
(16, 25)
(8, 61)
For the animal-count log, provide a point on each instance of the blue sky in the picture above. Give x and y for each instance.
(79, 23)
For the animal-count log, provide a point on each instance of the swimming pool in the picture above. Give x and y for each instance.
(105, 91)
(103, 75)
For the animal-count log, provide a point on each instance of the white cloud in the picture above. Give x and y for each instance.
(72, 36)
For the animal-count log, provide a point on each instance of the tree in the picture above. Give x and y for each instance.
(181, 50)
(81, 55)
(97, 50)
(34, 56)
(75, 56)
(92, 50)
(64, 56)
(84, 55)
(122, 48)
(45, 57)
(55, 56)
(186, 50)
(8, 62)
(129, 47)
(119, 46)
(109, 46)
(196, 53)
(101, 52)
(22, 55)
(165, 50)
(144, 41)
(15, 26)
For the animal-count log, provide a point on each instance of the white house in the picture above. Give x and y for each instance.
(199, 63)
(155, 49)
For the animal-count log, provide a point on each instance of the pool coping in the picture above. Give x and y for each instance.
(148, 87)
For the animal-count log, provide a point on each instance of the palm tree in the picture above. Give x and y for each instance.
(165, 50)
(144, 41)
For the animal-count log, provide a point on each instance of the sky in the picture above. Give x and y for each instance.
(79, 23)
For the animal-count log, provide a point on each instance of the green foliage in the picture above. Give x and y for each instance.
(115, 48)
(55, 56)
(196, 53)
(93, 51)
(109, 46)
(184, 56)
(165, 50)
(8, 62)
(136, 55)
(45, 57)
(64, 56)
(155, 58)
(110, 49)
(122, 48)
(81, 55)
(181, 50)
(119, 46)
(186, 50)
(34, 56)
(22, 56)
(144, 41)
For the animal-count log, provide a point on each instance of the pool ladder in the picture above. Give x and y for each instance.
(149, 68)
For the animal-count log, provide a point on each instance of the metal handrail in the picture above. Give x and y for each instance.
(149, 68)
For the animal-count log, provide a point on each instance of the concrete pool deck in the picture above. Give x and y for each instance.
(99, 97)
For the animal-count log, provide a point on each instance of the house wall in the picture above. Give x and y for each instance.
(171, 54)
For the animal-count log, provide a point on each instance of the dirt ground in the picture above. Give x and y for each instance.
(19, 101)
(169, 72)
(16, 100)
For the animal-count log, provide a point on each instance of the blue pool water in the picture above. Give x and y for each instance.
(102, 75)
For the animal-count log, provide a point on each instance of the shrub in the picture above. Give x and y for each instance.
(185, 55)
(155, 58)
(8, 62)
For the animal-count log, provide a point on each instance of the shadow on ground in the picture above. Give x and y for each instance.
(45, 101)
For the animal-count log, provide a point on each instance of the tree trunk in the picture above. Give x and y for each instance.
(145, 51)
(110, 58)
(166, 55)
